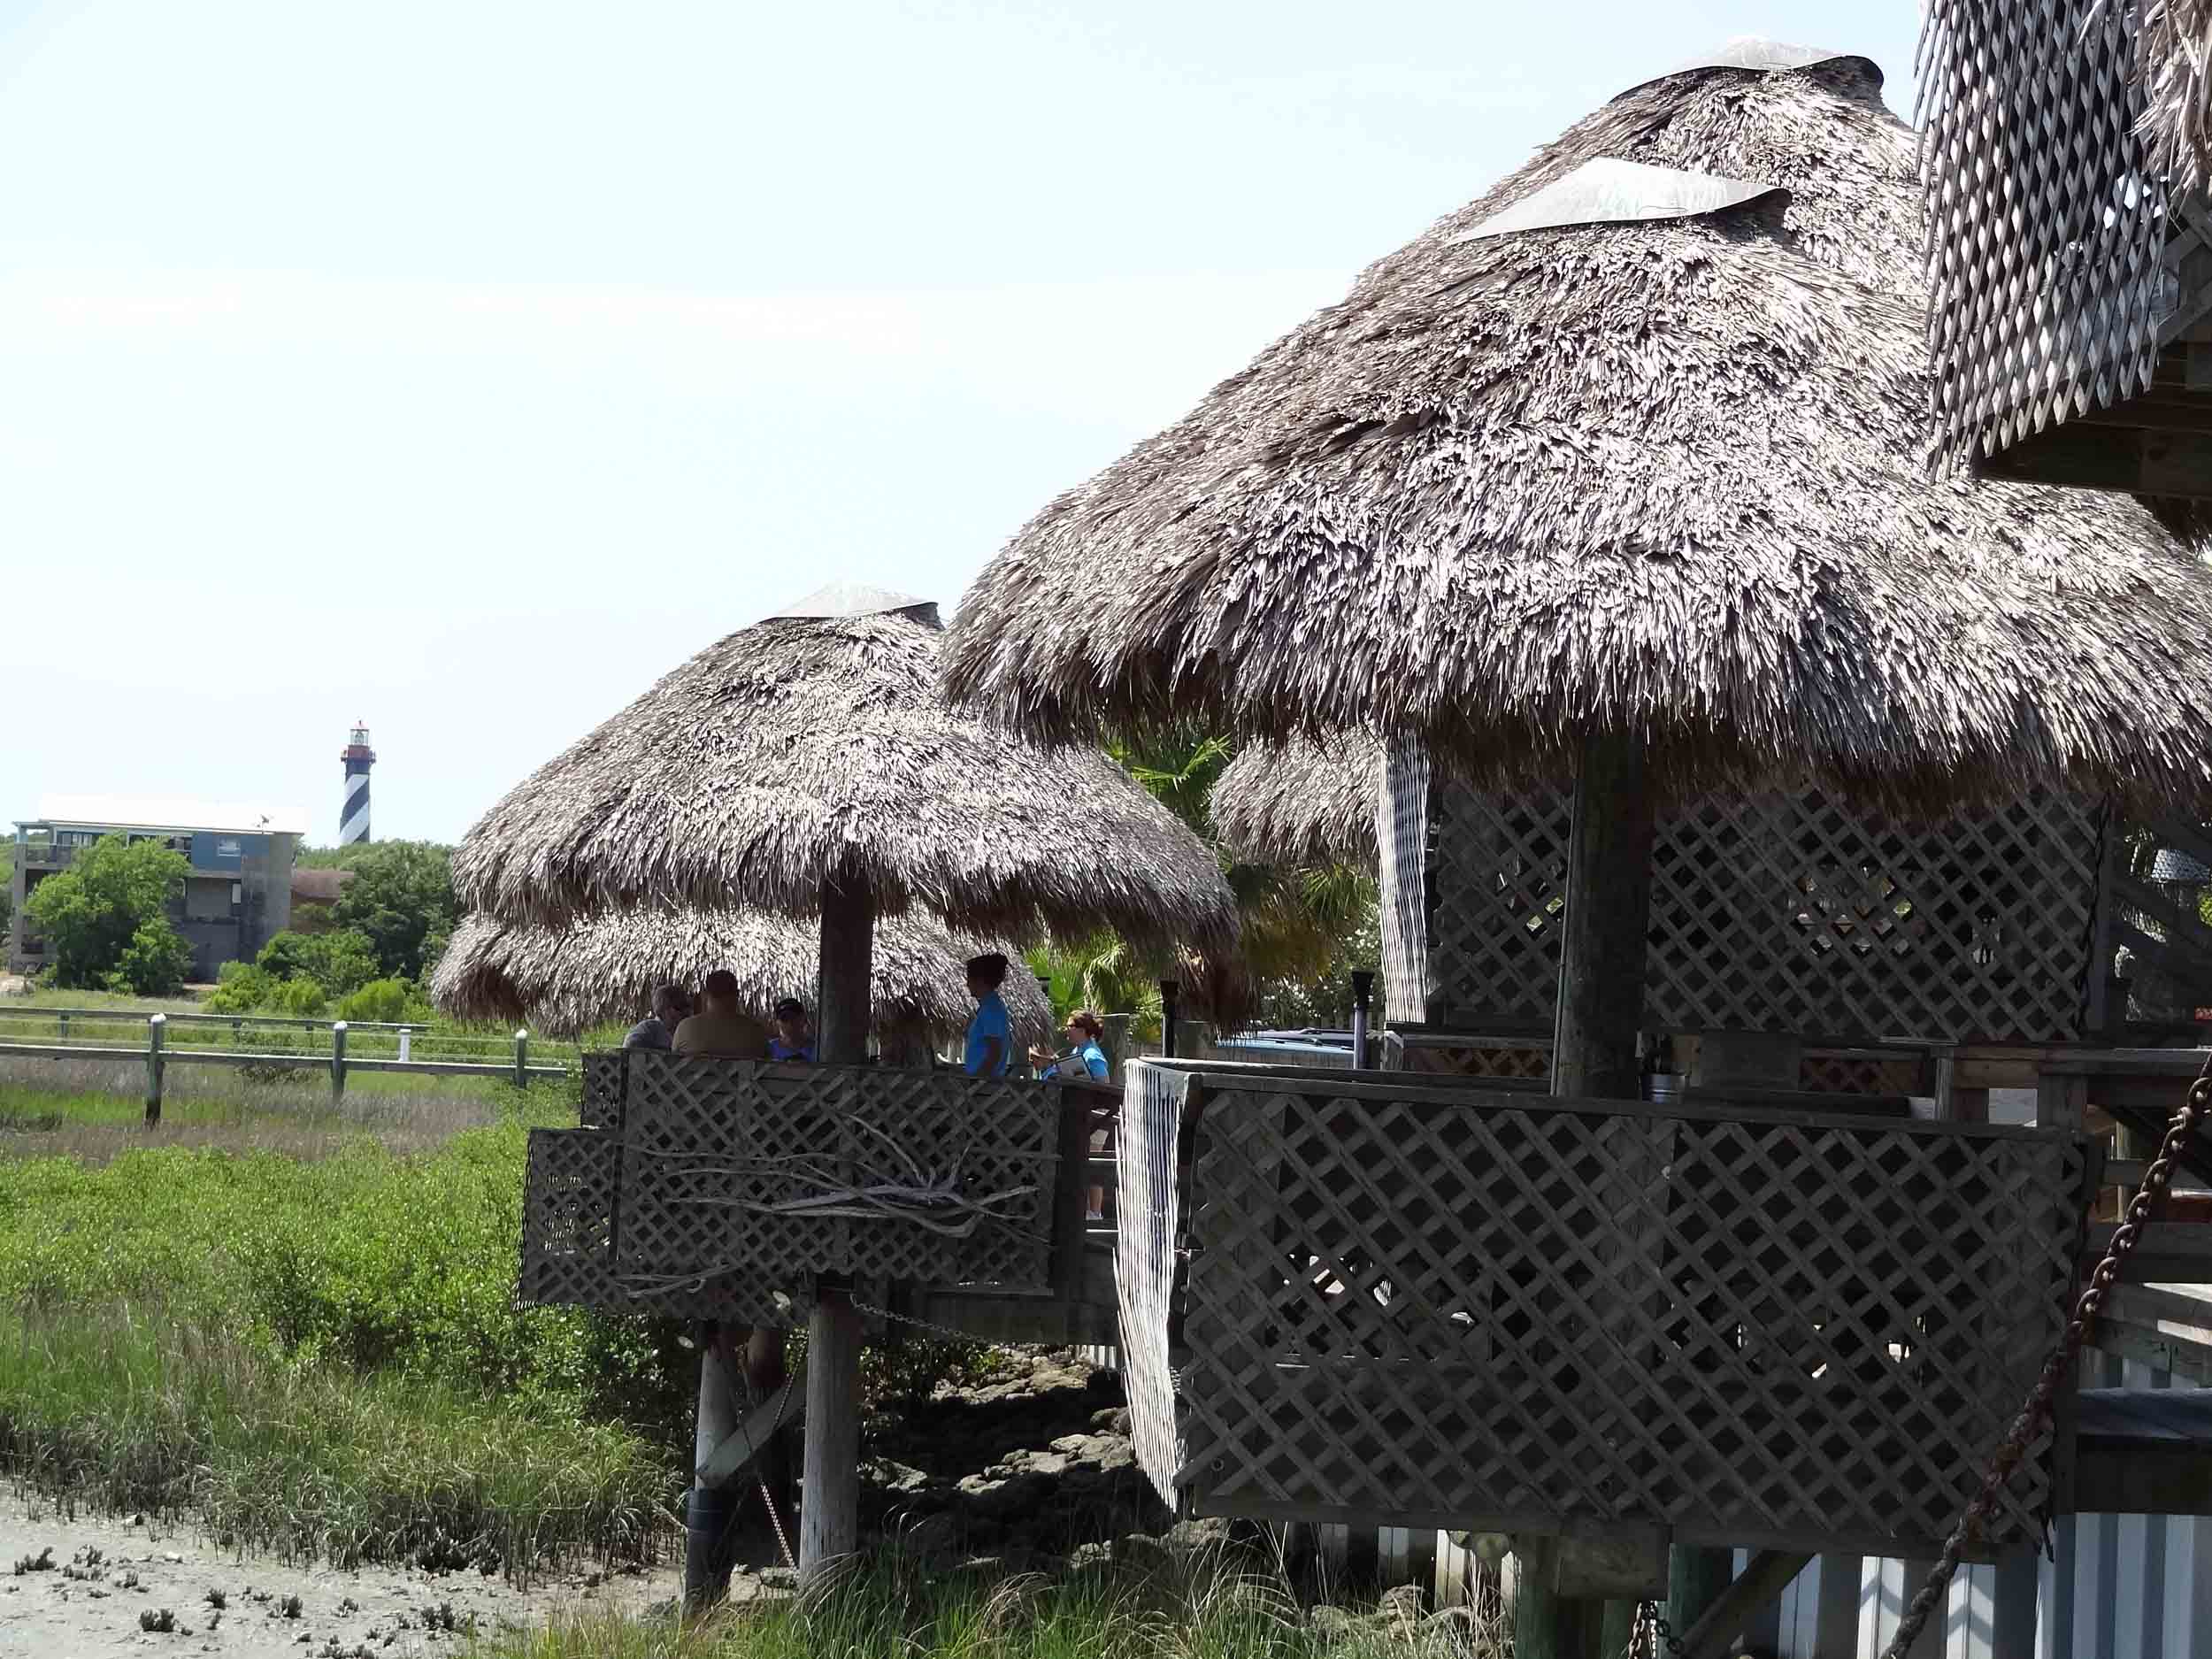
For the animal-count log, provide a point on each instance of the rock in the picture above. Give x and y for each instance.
(1401, 1605)
(1108, 1451)
(1214, 1532)
(933, 1536)
(1336, 1624)
(1142, 1553)
(1041, 1462)
(1112, 1420)
(1090, 1557)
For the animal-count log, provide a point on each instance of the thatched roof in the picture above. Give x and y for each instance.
(2173, 68)
(1664, 476)
(567, 979)
(812, 745)
(1301, 802)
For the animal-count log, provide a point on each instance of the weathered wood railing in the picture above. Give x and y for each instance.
(677, 1195)
(1431, 1306)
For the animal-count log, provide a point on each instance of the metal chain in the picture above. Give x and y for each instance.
(964, 1337)
(775, 1515)
(1651, 1629)
(2059, 1365)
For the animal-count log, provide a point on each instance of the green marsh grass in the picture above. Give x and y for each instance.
(890, 1607)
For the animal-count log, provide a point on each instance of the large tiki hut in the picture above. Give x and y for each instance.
(806, 767)
(1607, 500)
(568, 979)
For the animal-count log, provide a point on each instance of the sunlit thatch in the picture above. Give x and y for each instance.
(1301, 802)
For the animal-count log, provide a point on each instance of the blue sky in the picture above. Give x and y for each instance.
(464, 366)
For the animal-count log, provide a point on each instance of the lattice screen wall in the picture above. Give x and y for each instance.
(1440, 1307)
(2045, 229)
(660, 1206)
(1782, 913)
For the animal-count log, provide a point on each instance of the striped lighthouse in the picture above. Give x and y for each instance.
(353, 820)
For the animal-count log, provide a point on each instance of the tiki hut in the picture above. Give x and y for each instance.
(1634, 444)
(565, 980)
(811, 750)
(1301, 802)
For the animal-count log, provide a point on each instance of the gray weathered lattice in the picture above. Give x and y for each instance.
(1776, 912)
(669, 1207)
(1440, 1307)
(2045, 226)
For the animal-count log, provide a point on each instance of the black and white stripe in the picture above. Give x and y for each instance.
(353, 822)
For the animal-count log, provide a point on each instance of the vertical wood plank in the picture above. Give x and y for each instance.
(1839, 1598)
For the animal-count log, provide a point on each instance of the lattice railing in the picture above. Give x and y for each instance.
(1437, 1307)
(680, 1202)
(1788, 913)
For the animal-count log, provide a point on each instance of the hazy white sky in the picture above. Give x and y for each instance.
(463, 366)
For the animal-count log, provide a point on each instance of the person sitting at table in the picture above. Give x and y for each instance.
(718, 1029)
(657, 1029)
(795, 1036)
(1085, 1057)
(990, 1045)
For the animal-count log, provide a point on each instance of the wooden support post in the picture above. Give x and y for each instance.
(522, 1057)
(1618, 1627)
(1168, 991)
(1765, 1576)
(1609, 913)
(1546, 1625)
(848, 942)
(338, 1063)
(1839, 1598)
(1601, 1004)
(707, 1524)
(829, 1508)
(157, 1033)
(1696, 1580)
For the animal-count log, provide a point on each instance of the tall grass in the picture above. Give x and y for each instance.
(892, 1606)
(126, 1410)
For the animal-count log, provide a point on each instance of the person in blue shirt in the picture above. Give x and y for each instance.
(990, 1033)
(1083, 1058)
(794, 1035)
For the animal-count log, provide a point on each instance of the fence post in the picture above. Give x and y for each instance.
(405, 1031)
(338, 1062)
(64, 1025)
(522, 1059)
(157, 1028)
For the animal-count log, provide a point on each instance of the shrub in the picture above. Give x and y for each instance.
(384, 1001)
(302, 999)
(241, 988)
(340, 963)
(156, 963)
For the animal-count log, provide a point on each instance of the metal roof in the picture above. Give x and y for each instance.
(1607, 191)
(167, 812)
(851, 599)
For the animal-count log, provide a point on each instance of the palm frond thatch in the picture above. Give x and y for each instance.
(567, 979)
(813, 747)
(1301, 803)
(2173, 67)
(1664, 478)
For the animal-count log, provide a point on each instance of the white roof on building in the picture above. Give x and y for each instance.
(169, 812)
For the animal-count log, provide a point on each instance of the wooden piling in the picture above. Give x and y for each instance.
(1600, 1011)
(156, 1031)
(829, 1507)
(338, 1063)
(706, 1535)
(848, 933)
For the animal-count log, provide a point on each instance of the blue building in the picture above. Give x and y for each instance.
(237, 896)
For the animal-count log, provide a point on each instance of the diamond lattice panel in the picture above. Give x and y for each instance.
(1478, 1307)
(2044, 227)
(1777, 912)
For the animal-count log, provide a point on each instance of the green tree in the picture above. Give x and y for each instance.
(401, 898)
(156, 963)
(91, 913)
(385, 1002)
(241, 988)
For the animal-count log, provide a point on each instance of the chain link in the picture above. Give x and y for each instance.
(1651, 1630)
(945, 1331)
(2037, 1412)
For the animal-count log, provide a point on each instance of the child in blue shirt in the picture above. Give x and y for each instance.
(1085, 1057)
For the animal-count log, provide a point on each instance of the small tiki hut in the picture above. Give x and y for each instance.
(1609, 492)
(2070, 243)
(1300, 802)
(806, 767)
(567, 979)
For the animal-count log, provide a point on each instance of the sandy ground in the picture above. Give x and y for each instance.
(108, 1571)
